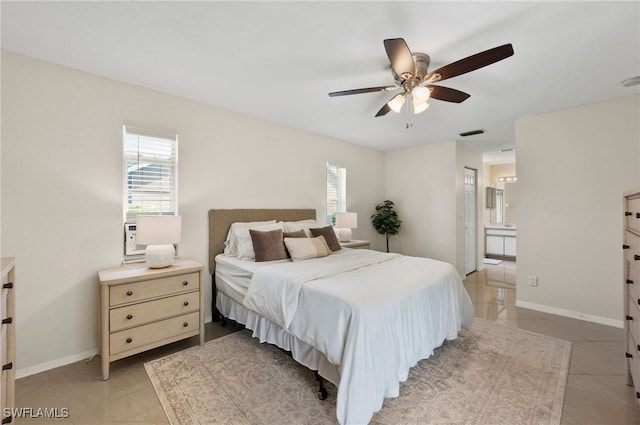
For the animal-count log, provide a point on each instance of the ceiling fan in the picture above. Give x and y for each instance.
(412, 77)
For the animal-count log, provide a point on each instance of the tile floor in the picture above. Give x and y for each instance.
(596, 392)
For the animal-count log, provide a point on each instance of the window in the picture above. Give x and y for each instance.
(336, 191)
(150, 173)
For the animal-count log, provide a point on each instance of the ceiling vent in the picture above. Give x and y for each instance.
(472, 133)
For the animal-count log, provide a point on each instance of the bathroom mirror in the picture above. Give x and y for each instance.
(501, 200)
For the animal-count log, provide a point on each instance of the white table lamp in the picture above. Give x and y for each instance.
(346, 221)
(158, 233)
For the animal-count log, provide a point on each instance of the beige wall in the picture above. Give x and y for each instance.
(427, 185)
(572, 168)
(62, 188)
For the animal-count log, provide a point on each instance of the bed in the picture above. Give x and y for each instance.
(359, 318)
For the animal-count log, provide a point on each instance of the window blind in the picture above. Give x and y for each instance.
(150, 172)
(336, 190)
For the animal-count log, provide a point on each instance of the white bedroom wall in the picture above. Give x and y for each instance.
(572, 168)
(427, 185)
(62, 189)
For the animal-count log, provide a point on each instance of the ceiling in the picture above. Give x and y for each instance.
(278, 60)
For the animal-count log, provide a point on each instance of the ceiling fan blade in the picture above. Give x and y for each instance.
(448, 94)
(400, 57)
(472, 62)
(383, 111)
(360, 91)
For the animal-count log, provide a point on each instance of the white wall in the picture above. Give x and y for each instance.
(427, 185)
(62, 189)
(572, 168)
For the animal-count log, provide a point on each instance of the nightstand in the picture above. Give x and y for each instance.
(143, 308)
(355, 244)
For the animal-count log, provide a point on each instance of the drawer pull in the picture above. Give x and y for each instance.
(186, 303)
(629, 318)
(638, 347)
(185, 324)
(129, 340)
(129, 293)
(636, 257)
(129, 316)
(625, 246)
(185, 283)
(8, 285)
(7, 321)
(627, 213)
(637, 215)
(8, 366)
(629, 356)
(637, 395)
(629, 282)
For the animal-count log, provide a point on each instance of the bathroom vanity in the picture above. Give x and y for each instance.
(500, 241)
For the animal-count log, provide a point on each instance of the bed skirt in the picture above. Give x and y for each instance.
(269, 332)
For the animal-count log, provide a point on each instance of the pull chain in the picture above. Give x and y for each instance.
(409, 123)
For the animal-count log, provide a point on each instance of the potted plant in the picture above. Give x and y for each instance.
(385, 220)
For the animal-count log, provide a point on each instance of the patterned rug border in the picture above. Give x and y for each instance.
(558, 398)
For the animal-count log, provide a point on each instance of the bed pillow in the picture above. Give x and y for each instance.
(231, 243)
(297, 234)
(245, 244)
(294, 226)
(269, 245)
(307, 248)
(329, 236)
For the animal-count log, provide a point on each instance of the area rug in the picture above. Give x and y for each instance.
(490, 375)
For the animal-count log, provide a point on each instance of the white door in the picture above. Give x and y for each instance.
(469, 220)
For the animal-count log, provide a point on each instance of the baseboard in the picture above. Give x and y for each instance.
(42, 367)
(572, 314)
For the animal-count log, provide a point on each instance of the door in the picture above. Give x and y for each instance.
(470, 177)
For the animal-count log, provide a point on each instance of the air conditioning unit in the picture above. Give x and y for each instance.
(130, 246)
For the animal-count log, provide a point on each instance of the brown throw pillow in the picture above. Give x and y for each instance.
(329, 236)
(268, 246)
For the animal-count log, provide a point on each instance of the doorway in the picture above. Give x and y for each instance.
(470, 183)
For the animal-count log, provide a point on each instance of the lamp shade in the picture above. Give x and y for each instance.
(347, 220)
(158, 229)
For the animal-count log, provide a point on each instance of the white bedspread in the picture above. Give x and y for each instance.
(373, 314)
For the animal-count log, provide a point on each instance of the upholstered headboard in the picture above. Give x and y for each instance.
(220, 221)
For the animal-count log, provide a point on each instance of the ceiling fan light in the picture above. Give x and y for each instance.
(420, 107)
(421, 93)
(396, 103)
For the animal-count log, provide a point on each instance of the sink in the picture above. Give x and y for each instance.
(500, 226)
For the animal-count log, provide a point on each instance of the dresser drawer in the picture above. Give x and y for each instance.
(4, 390)
(634, 362)
(4, 351)
(152, 311)
(633, 220)
(139, 291)
(3, 303)
(142, 336)
(633, 319)
(632, 254)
